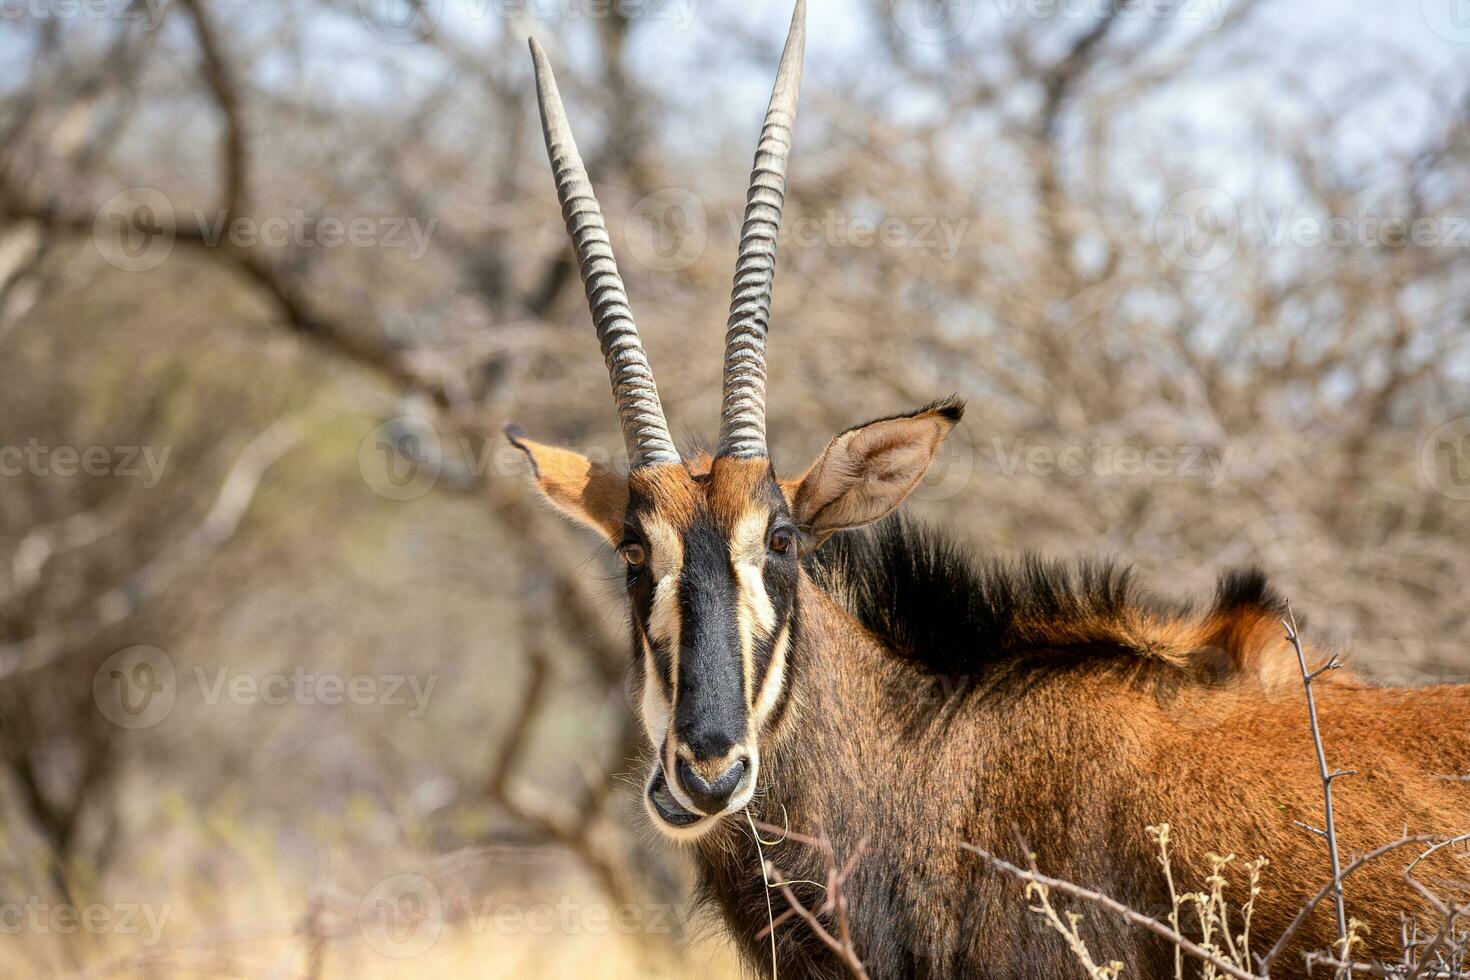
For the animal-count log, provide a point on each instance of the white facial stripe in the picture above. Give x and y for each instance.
(775, 678)
(666, 562)
(663, 626)
(754, 603)
(748, 538)
(755, 617)
(653, 706)
(663, 618)
(666, 549)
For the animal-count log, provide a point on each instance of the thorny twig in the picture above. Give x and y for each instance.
(1328, 776)
(841, 944)
(1449, 914)
(1264, 963)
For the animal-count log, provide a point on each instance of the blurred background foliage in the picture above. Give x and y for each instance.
(1199, 268)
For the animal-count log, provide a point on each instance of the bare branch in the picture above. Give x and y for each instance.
(224, 88)
(1329, 829)
(835, 905)
(223, 519)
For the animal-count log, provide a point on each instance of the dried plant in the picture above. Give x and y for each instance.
(835, 933)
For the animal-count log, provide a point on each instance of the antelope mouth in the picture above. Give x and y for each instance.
(661, 800)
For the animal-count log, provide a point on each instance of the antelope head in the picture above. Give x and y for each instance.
(713, 545)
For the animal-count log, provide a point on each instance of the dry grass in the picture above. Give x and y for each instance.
(241, 932)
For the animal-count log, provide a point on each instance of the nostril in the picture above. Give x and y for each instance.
(711, 796)
(693, 782)
(731, 777)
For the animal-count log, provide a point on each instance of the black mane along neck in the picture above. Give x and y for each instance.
(936, 608)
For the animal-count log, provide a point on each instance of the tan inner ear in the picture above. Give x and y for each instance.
(865, 473)
(587, 492)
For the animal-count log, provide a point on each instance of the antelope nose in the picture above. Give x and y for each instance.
(711, 797)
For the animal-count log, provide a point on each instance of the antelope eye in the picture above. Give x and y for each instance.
(633, 553)
(781, 540)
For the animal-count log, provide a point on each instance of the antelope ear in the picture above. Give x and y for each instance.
(866, 472)
(587, 492)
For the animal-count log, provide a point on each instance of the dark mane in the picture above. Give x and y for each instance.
(935, 606)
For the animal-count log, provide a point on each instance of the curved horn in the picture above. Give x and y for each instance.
(645, 432)
(743, 411)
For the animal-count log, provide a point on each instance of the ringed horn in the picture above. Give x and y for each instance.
(743, 410)
(645, 432)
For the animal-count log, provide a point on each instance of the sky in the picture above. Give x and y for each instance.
(1338, 50)
(1346, 38)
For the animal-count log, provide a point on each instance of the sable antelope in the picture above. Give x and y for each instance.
(882, 684)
